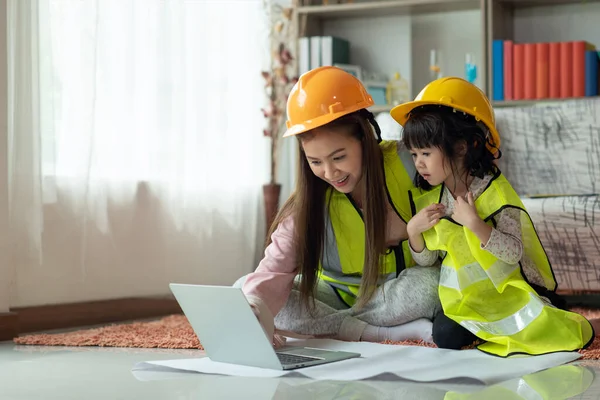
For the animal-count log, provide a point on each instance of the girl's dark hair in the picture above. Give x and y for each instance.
(449, 129)
(307, 206)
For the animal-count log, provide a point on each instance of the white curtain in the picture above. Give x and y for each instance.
(130, 116)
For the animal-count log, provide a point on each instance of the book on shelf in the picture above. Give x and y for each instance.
(544, 70)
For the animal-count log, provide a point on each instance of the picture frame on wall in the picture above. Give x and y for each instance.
(355, 70)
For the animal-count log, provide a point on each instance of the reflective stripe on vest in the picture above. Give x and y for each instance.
(512, 324)
(472, 273)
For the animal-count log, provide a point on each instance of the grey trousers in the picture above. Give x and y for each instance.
(410, 296)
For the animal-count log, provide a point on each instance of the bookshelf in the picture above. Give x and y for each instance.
(389, 35)
(387, 7)
(539, 21)
(534, 102)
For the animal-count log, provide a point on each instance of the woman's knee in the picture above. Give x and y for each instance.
(447, 334)
(423, 282)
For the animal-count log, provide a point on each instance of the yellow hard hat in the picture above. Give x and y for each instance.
(456, 93)
(322, 95)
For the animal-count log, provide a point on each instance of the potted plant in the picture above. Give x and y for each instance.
(279, 80)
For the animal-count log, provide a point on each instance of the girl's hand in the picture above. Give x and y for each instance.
(465, 212)
(425, 219)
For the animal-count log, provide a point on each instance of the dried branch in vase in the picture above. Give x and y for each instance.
(281, 77)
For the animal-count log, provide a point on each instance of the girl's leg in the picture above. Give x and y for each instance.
(447, 334)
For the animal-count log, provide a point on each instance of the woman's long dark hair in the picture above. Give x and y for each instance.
(307, 203)
(446, 128)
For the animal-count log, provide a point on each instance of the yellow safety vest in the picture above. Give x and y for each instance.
(343, 256)
(491, 298)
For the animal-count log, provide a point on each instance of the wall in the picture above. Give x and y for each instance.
(439, 31)
(140, 257)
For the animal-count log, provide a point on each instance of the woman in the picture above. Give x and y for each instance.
(337, 262)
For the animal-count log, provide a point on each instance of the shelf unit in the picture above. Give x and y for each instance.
(527, 103)
(382, 33)
(539, 21)
(387, 7)
(518, 20)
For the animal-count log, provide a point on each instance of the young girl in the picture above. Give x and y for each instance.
(495, 279)
(337, 262)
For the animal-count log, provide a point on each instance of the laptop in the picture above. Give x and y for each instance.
(230, 332)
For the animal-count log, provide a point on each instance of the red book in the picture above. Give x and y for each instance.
(566, 69)
(529, 68)
(554, 70)
(518, 71)
(508, 70)
(542, 55)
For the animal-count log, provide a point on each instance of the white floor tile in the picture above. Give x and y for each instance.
(36, 372)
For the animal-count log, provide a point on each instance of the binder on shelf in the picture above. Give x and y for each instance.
(334, 50)
(315, 52)
(304, 55)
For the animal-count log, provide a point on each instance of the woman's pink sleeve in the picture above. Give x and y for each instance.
(270, 285)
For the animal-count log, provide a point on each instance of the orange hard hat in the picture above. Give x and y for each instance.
(458, 94)
(322, 95)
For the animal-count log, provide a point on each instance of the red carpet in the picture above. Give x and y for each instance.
(174, 332)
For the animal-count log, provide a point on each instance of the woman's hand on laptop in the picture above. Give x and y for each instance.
(268, 327)
(279, 341)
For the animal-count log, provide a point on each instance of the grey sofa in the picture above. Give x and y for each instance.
(551, 155)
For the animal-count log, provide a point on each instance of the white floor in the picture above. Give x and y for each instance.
(33, 372)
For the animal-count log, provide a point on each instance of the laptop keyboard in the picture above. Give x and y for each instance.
(293, 358)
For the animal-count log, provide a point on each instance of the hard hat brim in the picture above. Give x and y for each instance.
(401, 112)
(324, 119)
